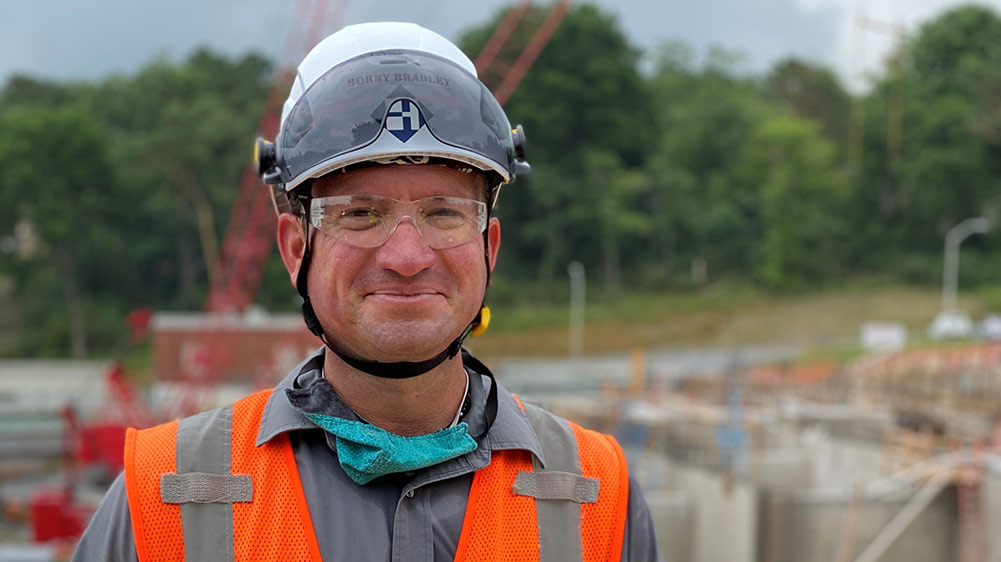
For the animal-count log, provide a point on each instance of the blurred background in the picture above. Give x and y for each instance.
(760, 245)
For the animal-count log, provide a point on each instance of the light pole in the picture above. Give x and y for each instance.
(578, 286)
(950, 269)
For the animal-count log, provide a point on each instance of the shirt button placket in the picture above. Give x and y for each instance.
(412, 529)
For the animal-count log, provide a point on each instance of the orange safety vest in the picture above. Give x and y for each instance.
(270, 519)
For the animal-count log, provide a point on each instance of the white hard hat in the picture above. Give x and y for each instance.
(389, 92)
(362, 38)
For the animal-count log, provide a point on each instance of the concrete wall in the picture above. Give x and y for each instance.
(704, 516)
(673, 514)
(992, 511)
(781, 468)
(791, 499)
(838, 462)
(809, 526)
(774, 514)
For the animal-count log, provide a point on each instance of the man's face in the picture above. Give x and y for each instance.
(402, 301)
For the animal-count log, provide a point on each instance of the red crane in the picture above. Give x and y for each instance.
(250, 230)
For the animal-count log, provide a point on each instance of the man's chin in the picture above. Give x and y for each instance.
(409, 341)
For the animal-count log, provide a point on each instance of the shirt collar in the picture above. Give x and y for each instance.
(279, 416)
(511, 428)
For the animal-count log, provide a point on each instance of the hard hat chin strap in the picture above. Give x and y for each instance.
(397, 370)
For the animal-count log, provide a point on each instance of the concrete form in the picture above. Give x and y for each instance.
(817, 484)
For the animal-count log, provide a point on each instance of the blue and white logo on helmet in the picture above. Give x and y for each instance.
(404, 119)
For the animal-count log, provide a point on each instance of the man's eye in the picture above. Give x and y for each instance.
(444, 212)
(445, 218)
(358, 213)
(359, 217)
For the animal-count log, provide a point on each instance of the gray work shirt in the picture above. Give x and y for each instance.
(414, 516)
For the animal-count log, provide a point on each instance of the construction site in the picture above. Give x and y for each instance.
(744, 454)
(889, 458)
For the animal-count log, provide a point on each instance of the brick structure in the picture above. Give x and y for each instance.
(201, 347)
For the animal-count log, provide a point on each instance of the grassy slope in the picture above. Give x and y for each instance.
(716, 317)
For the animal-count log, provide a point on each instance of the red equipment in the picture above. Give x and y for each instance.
(55, 517)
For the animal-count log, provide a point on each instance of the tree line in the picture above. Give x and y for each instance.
(658, 171)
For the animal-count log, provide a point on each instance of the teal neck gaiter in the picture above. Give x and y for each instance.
(367, 452)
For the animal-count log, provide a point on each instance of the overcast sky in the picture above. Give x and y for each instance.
(89, 39)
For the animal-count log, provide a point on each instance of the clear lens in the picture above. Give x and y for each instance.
(367, 221)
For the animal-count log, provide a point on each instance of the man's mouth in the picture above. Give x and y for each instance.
(404, 292)
(404, 295)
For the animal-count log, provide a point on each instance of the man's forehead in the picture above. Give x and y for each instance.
(401, 181)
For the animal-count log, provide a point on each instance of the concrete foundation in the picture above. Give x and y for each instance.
(673, 513)
(786, 496)
(708, 516)
(812, 525)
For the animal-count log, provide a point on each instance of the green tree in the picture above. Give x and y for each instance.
(948, 168)
(706, 114)
(187, 130)
(794, 169)
(621, 217)
(583, 96)
(127, 182)
(57, 178)
(812, 92)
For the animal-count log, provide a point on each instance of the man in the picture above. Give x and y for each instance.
(391, 443)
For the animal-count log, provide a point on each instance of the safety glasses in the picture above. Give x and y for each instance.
(367, 221)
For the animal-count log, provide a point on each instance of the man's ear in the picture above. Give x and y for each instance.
(291, 244)
(493, 241)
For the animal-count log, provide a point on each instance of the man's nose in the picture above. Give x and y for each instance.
(405, 251)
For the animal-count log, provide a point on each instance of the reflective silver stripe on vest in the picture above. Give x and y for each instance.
(204, 445)
(559, 519)
(557, 486)
(205, 487)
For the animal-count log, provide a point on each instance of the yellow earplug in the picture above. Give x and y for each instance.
(483, 323)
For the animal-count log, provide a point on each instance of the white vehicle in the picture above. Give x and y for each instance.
(951, 324)
(989, 328)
